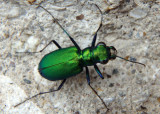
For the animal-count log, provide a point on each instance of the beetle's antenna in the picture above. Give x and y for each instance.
(130, 60)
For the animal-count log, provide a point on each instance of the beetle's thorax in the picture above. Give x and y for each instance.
(91, 56)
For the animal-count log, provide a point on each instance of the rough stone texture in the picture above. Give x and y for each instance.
(130, 88)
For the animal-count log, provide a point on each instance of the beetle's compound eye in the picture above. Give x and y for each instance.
(101, 43)
(113, 52)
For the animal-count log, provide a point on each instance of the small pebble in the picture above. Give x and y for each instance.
(130, 34)
(13, 13)
(31, 1)
(122, 94)
(111, 84)
(115, 71)
(27, 81)
(32, 41)
(80, 17)
(137, 13)
(109, 100)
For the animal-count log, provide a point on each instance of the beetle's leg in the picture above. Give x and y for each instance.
(100, 25)
(88, 80)
(44, 47)
(60, 86)
(87, 76)
(56, 21)
(50, 43)
(98, 71)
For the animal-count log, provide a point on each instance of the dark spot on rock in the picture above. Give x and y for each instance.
(117, 84)
(108, 76)
(80, 17)
(122, 94)
(0, 68)
(27, 81)
(31, 1)
(143, 108)
(95, 77)
(111, 84)
(77, 112)
(97, 111)
(143, 112)
(127, 0)
(115, 71)
(123, 111)
(133, 71)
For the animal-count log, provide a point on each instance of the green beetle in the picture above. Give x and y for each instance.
(66, 62)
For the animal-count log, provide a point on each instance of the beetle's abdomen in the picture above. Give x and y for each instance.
(60, 64)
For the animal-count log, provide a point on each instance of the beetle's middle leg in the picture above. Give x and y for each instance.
(88, 80)
(59, 87)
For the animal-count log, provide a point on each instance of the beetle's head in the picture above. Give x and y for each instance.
(113, 52)
(106, 53)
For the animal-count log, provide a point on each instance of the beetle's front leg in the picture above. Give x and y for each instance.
(98, 71)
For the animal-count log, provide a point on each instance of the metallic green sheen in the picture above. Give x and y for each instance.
(66, 62)
(60, 64)
(96, 55)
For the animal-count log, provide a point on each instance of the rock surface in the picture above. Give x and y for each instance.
(127, 88)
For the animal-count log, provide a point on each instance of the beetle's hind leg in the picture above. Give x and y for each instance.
(88, 80)
(60, 86)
